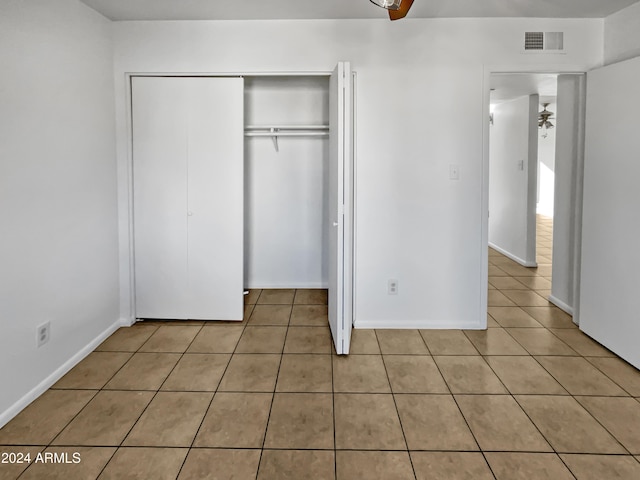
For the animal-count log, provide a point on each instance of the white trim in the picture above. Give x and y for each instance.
(423, 324)
(288, 285)
(560, 304)
(522, 262)
(61, 371)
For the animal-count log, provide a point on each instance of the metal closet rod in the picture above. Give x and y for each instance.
(275, 131)
(286, 130)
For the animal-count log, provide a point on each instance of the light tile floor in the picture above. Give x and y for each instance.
(530, 398)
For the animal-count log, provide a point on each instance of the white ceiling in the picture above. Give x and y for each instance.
(513, 85)
(334, 9)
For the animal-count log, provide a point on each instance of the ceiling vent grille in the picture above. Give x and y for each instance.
(543, 41)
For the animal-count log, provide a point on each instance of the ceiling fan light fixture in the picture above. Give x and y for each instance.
(388, 4)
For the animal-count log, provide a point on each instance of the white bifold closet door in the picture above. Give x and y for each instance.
(341, 206)
(188, 143)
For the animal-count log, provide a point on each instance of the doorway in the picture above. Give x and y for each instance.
(536, 137)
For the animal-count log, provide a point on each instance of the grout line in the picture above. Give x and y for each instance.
(395, 404)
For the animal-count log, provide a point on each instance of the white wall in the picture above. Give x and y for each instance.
(567, 216)
(546, 165)
(622, 34)
(286, 208)
(611, 222)
(419, 109)
(512, 179)
(58, 205)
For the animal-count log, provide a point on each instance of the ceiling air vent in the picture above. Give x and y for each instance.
(543, 41)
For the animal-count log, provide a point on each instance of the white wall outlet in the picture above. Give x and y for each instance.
(43, 334)
(454, 172)
(392, 287)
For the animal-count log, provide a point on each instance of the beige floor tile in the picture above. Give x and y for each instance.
(252, 297)
(467, 374)
(311, 297)
(491, 323)
(197, 372)
(568, 426)
(171, 339)
(308, 340)
(448, 342)
(172, 419)
(45, 417)
(519, 270)
(401, 342)
(94, 371)
(364, 342)
(508, 283)
(106, 419)
(600, 467)
(544, 270)
(499, 424)
(367, 422)
(535, 283)
(270, 315)
(216, 339)
(579, 377)
(251, 373)
(524, 375)
(540, 341)
(581, 343)
(414, 374)
(144, 371)
(495, 271)
(625, 375)
(544, 293)
(276, 296)
(235, 420)
(220, 464)
(620, 416)
(89, 462)
(373, 466)
(310, 315)
(450, 466)
(262, 340)
(248, 310)
(305, 373)
(301, 421)
(174, 323)
(525, 298)
(145, 463)
(512, 317)
(433, 422)
(498, 299)
(128, 339)
(551, 317)
(297, 464)
(528, 466)
(360, 374)
(495, 341)
(12, 469)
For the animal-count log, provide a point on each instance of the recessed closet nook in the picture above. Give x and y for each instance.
(242, 182)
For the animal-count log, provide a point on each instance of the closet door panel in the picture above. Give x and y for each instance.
(159, 197)
(215, 198)
(340, 206)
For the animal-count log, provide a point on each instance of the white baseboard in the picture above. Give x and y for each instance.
(560, 304)
(310, 286)
(421, 324)
(60, 372)
(515, 258)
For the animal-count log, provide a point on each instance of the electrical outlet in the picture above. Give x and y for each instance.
(392, 287)
(43, 334)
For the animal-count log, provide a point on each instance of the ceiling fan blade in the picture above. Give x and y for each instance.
(402, 11)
